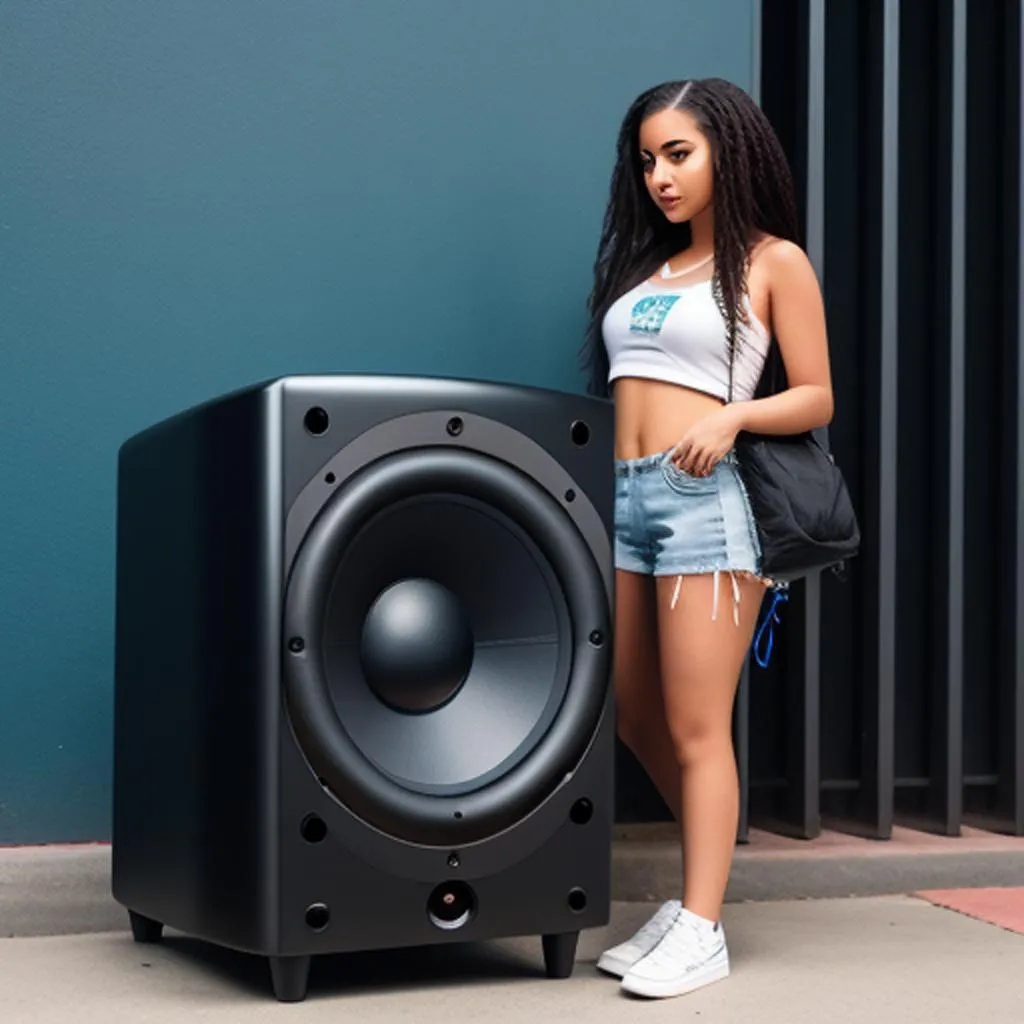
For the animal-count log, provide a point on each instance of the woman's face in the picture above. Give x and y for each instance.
(678, 164)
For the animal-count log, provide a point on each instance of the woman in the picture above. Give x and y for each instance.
(698, 267)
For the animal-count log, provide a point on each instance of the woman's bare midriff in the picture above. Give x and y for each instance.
(651, 416)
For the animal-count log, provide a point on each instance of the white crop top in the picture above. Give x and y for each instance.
(677, 334)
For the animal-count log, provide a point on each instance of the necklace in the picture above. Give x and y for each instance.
(667, 273)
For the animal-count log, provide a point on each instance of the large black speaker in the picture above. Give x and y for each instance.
(363, 652)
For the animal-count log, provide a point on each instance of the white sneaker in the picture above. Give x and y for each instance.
(619, 959)
(691, 954)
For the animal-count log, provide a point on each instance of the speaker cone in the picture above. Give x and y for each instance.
(446, 663)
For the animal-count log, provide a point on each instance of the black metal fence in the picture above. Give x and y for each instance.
(897, 696)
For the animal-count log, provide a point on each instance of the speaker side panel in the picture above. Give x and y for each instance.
(196, 688)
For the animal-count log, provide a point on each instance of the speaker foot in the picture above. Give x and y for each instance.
(290, 977)
(560, 954)
(145, 929)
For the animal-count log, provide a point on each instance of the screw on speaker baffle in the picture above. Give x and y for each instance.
(579, 431)
(316, 421)
(582, 811)
(577, 900)
(313, 829)
(318, 916)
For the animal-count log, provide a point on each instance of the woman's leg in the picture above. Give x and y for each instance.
(640, 713)
(701, 661)
(640, 709)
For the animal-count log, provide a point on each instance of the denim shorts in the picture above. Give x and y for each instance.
(669, 523)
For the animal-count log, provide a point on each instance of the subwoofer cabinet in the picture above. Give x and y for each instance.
(362, 669)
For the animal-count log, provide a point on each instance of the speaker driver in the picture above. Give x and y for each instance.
(447, 676)
(474, 664)
(417, 646)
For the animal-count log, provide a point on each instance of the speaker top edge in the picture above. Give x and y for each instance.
(418, 387)
(423, 385)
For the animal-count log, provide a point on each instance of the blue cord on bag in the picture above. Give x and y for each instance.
(771, 617)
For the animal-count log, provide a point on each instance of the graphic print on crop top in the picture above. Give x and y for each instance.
(648, 315)
(680, 336)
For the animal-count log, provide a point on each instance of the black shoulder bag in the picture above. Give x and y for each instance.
(802, 510)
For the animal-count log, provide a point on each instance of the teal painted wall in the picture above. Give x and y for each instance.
(195, 195)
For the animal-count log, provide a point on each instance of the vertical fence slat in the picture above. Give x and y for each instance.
(947, 750)
(1012, 705)
(877, 791)
(803, 809)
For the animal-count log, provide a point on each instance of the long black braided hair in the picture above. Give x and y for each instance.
(752, 189)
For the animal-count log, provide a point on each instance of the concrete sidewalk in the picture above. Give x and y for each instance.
(871, 960)
(65, 890)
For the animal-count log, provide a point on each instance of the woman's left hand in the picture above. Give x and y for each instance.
(708, 441)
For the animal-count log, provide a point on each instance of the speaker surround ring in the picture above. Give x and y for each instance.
(409, 431)
(334, 757)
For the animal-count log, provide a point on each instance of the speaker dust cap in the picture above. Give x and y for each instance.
(447, 654)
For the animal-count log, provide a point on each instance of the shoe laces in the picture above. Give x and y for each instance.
(667, 913)
(685, 941)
